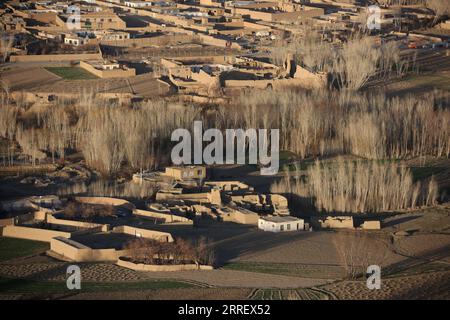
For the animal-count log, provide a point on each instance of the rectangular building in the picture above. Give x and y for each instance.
(280, 224)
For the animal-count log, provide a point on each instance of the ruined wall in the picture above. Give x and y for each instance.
(106, 201)
(195, 197)
(279, 84)
(48, 18)
(371, 225)
(309, 79)
(340, 222)
(212, 41)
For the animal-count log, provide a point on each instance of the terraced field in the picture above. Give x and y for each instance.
(297, 294)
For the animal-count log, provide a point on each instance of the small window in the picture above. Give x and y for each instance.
(199, 172)
(282, 227)
(288, 226)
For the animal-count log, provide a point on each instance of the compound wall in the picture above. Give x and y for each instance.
(33, 233)
(155, 268)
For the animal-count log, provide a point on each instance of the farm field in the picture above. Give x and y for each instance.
(24, 286)
(22, 248)
(71, 73)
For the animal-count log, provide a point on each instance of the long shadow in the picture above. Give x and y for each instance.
(416, 261)
(432, 289)
(254, 242)
(399, 221)
(231, 240)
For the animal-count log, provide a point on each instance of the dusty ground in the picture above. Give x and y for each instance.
(28, 77)
(41, 267)
(242, 279)
(432, 220)
(35, 78)
(169, 294)
(434, 285)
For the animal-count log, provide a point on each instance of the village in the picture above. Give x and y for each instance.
(202, 51)
(135, 138)
(185, 199)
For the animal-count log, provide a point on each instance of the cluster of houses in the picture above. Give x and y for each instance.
(185, 191)
(82, 228)
(199, 48)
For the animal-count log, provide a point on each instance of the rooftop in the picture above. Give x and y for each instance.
(279, 219)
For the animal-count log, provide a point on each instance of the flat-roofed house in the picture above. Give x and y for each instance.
(186, 173)
(280, 223)
(101, 20)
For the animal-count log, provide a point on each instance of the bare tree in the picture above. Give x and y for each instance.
(359, 187)
(6, 42)
(439, 7)
(358, 250)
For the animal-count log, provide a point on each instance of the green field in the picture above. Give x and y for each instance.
(11, 248)
(25, 286)
(71, 73)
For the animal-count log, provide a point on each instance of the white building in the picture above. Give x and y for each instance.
(138, 4)
(280, 224)
(75, 40)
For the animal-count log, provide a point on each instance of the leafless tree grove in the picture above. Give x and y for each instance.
(351, 65)
(367, 125)
(358, 187)
(316, 123)
(181, 251)
(108, 136)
